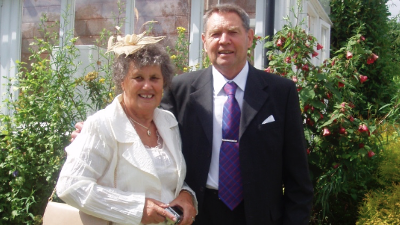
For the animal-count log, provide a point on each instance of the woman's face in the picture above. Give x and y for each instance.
(143, 89)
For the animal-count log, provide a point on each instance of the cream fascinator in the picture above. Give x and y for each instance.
(130, 43)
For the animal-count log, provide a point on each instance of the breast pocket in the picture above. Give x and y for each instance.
(271, 137)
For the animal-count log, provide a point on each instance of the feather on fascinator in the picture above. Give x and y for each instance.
(131, 43)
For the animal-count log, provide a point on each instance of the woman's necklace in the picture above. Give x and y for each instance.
(134, 121)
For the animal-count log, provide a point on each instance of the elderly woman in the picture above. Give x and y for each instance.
(126, 165)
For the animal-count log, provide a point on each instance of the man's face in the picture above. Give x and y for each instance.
(226, 42)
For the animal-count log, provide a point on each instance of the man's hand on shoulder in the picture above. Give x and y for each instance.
(78, 129)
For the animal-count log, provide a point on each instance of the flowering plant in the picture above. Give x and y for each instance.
(180, 54)
(341, 143)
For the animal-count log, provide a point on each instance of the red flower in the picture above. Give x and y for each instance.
(326, 132)
(343, 107)
(362, 38)
(340, 84)
(361, 145)
(349, 55)
(336, 166)
(288, 59)
(294, 78)
(319, 47)
(371, 153)
(279, 43)
(363, 78)
(372, 58)
(305, 67)
(299, 89)
(351, 118)
(268, 70)
(328, 95)
(314, 54)
(309, 122)
(342, 130)
(363, 128)
(333, 63)
(321, 116)
(306, 107)
(308, 151)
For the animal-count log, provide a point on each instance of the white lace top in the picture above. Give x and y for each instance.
(166, 170)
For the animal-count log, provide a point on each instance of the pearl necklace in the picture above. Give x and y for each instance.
(134, 121)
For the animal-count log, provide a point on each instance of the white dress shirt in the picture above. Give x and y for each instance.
(219, 99)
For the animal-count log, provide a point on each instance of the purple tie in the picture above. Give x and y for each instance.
(230, 180)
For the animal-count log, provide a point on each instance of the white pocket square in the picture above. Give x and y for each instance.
(269, 119)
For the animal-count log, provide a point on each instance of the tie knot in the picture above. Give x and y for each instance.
(230, 88)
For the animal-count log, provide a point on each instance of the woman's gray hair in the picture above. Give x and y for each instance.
(226, 8)
(149, 55)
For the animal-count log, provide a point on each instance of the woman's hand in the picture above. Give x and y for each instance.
(75, 133)
(185, 201)
(154, 211)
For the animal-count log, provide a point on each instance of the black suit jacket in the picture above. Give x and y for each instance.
(272, 155)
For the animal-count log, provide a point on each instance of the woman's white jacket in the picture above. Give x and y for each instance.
(107, 153)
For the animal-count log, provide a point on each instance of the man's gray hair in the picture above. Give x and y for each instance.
(228, 8)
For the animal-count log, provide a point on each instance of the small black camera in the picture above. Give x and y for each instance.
(177, 212)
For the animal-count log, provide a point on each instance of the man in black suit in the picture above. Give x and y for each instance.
(275, 183)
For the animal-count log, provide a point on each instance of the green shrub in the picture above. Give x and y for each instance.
(389, 167)
(342, 144)
(370, 18)
(382, 206)
(33, 138)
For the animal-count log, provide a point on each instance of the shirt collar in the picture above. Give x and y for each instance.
(219, 80)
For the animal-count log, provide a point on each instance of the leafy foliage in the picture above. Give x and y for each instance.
(180, 52)
(342, 144)
(382, 205)
(34, 136)
(369, 18)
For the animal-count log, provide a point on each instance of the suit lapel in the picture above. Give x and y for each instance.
(254, 98)
(202, 97)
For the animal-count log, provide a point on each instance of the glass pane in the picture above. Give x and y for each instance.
(92, 16)
(170, 14)
(32, 11)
